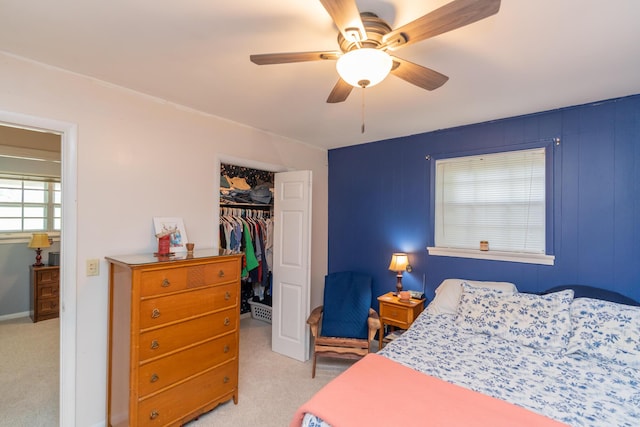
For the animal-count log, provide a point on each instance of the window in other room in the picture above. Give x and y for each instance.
(29, 204)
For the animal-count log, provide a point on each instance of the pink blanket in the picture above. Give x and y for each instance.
(379, 392)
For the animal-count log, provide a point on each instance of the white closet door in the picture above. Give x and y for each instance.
(291, 264)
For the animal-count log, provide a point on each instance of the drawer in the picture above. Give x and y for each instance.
(170, 308)
(48, 290)
(163, 372)
(159, 282)
(170, 405)
(394, 313)
(48, 276)
(160, 341)
(48, 306)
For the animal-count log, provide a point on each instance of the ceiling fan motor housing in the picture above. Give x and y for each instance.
(375, 27)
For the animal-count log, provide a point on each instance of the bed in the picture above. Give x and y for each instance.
(483, 353)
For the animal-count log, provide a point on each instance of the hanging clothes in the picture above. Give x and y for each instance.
(249, 231)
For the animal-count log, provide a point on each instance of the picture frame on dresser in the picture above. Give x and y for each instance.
(178, 240)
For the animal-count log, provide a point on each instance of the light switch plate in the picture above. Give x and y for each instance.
(93, 267)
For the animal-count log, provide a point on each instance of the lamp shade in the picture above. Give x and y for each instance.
(399, 262)
(364, 67)
(39, 240)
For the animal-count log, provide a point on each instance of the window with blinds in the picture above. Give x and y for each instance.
(498, 198)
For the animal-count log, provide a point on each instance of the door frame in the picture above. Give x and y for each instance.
(68, 251)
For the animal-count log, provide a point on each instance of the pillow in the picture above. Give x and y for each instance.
(582, 291)
(449, 291)
(537, 321)
(606, 330)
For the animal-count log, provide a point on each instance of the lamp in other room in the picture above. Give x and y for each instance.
(364, 67)
(399, 263)
(38, 242)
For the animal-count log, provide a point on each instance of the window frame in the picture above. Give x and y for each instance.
(23, 236)
(548, 258)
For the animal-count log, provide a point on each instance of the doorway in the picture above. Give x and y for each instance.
(68, 263)
(30, 167)
(291, 278)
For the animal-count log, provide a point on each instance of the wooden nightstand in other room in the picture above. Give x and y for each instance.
(44, 301)
(396, 313)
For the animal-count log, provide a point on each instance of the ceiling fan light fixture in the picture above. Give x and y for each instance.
(362, 65)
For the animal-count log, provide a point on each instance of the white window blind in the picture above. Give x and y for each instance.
(497, 197)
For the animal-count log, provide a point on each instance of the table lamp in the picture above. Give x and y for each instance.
(399, 263)
(39, 241)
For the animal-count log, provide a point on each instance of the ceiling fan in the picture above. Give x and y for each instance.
(365, 40)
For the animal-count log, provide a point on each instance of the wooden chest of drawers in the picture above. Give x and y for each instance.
(173, 337)
(44, 301)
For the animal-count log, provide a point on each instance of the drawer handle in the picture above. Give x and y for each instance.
(225, 379)
(227, 296)
(165, 283)
(154, 414)
(154, 344)
(227, 321)
(226, 349)
(155, 313)
(221, 273)
(154, 378)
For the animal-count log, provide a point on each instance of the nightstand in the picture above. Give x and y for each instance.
(43, 292)
(396, 313)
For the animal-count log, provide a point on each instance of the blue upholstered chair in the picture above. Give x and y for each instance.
(344, 326)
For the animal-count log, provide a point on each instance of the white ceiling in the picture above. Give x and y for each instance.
(531, 56)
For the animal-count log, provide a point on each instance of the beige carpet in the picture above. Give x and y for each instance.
(272, 386)
(29, 373)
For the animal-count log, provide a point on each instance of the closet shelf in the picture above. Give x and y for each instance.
(245, 205)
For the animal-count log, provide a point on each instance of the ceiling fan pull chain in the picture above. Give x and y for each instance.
(362, 128)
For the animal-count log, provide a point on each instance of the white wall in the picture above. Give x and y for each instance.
(139, 158)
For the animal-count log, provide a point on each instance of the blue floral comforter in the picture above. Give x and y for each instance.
(573, 389)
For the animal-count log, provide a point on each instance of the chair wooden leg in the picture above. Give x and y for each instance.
(313, 371)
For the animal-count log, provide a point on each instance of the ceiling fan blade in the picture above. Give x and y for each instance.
(284, 58)
(418, 75)
(453, 15)
(340, 92)
(346, 16)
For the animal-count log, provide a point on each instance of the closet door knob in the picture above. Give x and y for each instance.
(165, 283)
(154, 344)
(227, 296)
(227, 321)
(155, 313)
(221, 273)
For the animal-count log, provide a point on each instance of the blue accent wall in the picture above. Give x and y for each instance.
(380, 201)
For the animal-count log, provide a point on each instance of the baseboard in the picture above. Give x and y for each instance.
(14, 316)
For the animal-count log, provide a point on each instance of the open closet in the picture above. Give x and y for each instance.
(275, 207)
(246, 225)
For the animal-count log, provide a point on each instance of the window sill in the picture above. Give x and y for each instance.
(11, 238)
(493, 255)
